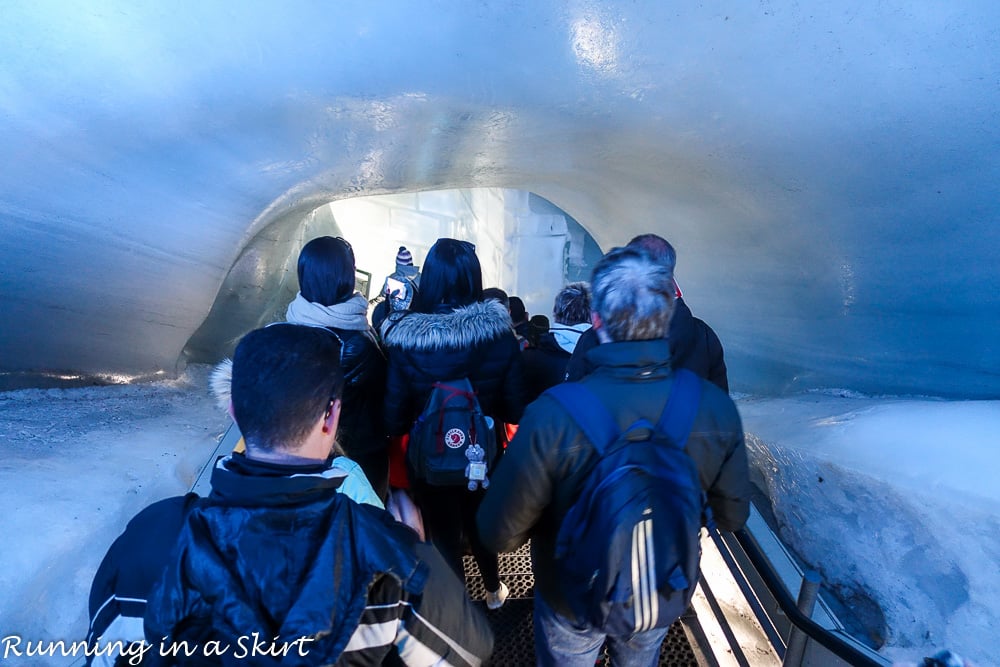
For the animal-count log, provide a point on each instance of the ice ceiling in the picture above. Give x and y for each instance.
(828, 171)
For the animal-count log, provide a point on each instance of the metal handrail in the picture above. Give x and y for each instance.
(787, 603)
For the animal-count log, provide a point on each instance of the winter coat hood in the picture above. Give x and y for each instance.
(464, 327)
(220, 383)
(567, 335)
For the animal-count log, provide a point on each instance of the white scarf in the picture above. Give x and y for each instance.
(351, 314)
(567, 335)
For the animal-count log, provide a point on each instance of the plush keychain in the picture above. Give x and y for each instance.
(476, 470)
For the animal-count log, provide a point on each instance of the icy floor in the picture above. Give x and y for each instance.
(75, 465)
(894, 500)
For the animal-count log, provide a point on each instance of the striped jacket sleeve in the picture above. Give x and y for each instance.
(127, 574)
(439, 627)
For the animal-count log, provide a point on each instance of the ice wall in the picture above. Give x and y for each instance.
(895, 502)
(828, 173)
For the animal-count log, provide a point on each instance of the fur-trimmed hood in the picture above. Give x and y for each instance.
(220, 383)
(463, 327)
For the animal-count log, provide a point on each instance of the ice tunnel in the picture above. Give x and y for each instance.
(828, 173)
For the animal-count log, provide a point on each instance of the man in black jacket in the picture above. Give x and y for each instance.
(693, 344)
(546, 465)
(276, 563)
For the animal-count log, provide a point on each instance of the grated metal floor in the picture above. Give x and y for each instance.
(512, 626)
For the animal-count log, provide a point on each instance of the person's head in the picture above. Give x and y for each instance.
(326, 271)
(572, 304)
(286, 379)
(451, 277)
(632, 296)
(497, 294)
(518, 313)
(540, 322)
(538, 326)
(658, 248)
(403, 257)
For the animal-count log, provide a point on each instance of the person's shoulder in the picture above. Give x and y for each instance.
(359, 342)
(507, 340)
(390, 336)
(719, 403)
(166, 511)
(546, 411)
(380, 539)
(151, 533)
(705, 328)
(588, 339)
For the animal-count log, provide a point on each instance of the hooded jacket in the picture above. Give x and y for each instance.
(474, 341)
(277, 551)
(545, 466)
(693, 345)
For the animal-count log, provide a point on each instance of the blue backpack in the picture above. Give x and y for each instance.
(629, 547)
(452, 443)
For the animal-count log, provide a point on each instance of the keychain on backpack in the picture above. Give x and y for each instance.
(476, 470)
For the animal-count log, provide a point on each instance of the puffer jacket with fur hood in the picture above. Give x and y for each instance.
(474, 341)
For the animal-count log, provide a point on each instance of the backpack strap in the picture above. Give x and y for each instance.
(601, 428)
(681, 408)
(589, 413)
(678, 418)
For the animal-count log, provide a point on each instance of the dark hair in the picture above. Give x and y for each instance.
(572, 304)
(326, 271)
(284, 377)
(497, 294)
(451, 277)
(517, 310)
(538, 326)
(540, 322)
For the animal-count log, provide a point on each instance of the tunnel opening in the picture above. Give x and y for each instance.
(527, 246)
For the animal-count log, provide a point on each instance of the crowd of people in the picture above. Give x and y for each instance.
(321, 542)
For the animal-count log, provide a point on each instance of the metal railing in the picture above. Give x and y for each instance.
(837, 645)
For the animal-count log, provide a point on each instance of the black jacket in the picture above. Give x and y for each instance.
(362, 429)
(545, 466)
(277, 551)
(693, 345)
(474, 341)
(131, 566)
(544, 366)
